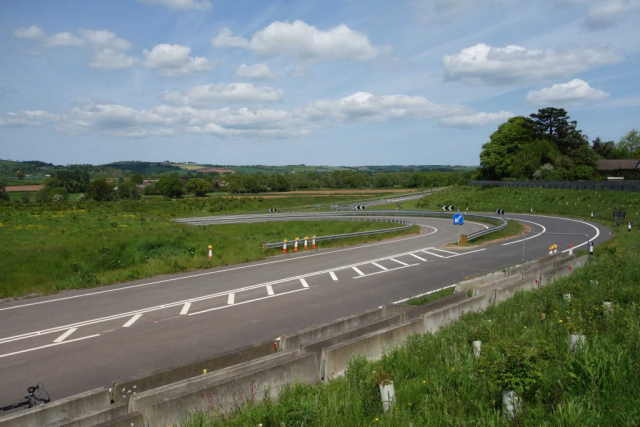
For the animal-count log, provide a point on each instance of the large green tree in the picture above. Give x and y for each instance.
(630, 143)
(170, 187)
(498, 154)
(554, 124)
(100, 190)
(198, 186)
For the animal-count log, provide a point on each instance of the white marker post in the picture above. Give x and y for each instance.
(629, 227)
(591, 214)
(590, 248)
(210, 251)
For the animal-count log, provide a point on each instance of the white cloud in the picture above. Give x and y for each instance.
(476, 119)
(172, 60)
(110, 59)
(181, 4)
(223, 92)
(27, 118)
(62, 39)
(575, 92)
(515, 64)
(32, 33)
(103, 39)
(304, 42)
(608, 13)
(255, 71)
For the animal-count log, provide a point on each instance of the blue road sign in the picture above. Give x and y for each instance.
(458, 219)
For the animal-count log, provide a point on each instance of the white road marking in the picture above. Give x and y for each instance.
(132, 320)
(379, 266)
(231, 299)
(47, 346)
(304, 283)
(246, 302)
(65, 335)
(365, 246)
(446, 252)
(269, 290)
(389, 270)
(439, 256)
(527, 238)
(420, 258)
(426, 293)
(333, 276)
(185, 308)
(399, 262)
(357, 270)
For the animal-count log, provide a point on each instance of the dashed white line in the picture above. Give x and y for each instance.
(357, 270)
(439, 256)
(185, 308)
(269, 290)
(247, 302)
(47, 346)
(65, 335)
(333, 276)
(420, 258)
(380, 267)
(399, 262)
(132, 320)
(231, 299)
(446, 252)
(304, 283)
(386, 271)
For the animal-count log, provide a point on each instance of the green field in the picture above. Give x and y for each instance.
(440, 382)
(50, 248)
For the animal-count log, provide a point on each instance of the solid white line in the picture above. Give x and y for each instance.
(304, 283)
(446, 252)
(528, 238)
(231, 299)
(269, 290)
(333, 276)
(439, 256)
(365, 246)
(426, 293)
(379, 266)
(574, 220)
(46, 346)
(132, 320)
(399, 262)
(357, 270)
(185, 308)
(65, 335)
(246, 302)
(420, 258)
(386, 271)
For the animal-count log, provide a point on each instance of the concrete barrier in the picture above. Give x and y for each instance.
(317, 346)
(562, 270)
(506, 292)
(59, 410)
(90, 419)
(128, 420)
(168, 406)
(335, 359)
(434, 320)
(414, 311)
(493, 281)
(295, 340)
(121, 391)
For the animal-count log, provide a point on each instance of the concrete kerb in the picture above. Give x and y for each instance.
(434, 320)
(121, 391)
(297, 339)
(335, 359)
(170, 406)
(60, 410)
(128, 420)
(414, 311)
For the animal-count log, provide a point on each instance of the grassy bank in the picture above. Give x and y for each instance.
(47, 249)
(439, 381)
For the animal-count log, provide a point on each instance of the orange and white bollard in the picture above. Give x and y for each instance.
(570, 249)
(295, 245)
(284, 247)
(305, 242)
(551, 250)
(555, 249)
(210, 251)
(313, 242)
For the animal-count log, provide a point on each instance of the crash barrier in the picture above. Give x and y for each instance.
(346, 216)
(232, 379)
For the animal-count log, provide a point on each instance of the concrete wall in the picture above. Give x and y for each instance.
(432, 321)
(121, 391)
(506, 292)
(562, 270)
(59, 410)
(90, 419)
(295, 340)
(160, 409)
(414, 311)
(128, 420)
(335, 358)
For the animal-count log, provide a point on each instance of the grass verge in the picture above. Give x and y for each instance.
(425, 299)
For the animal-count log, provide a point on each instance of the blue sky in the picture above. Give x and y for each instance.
(349, 82)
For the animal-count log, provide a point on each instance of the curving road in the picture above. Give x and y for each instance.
(80, 340)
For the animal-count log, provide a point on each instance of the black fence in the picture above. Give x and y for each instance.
(564, 185)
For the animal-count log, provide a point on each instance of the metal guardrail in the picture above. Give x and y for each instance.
(346, 216)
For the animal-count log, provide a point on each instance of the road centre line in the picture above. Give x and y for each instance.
(196, 299)
(246, 302)
(185, 309)
(357, 270)
(132, 320)
(65, 335)
(379, 266)
(47, 346)
(365, 246)
(388, 270)
(420, 258)
(399, 262)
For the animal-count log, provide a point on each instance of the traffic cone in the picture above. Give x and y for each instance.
(313, 242)
(305, 242)
(210, 251)
(284, 247)
(570, 249)
(295, 245)
(551, 250)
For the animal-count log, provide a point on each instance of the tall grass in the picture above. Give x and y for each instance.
(439, 381)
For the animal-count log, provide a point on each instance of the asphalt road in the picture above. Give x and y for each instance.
(80, 340)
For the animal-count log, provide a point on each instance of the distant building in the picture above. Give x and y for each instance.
(609, 165)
